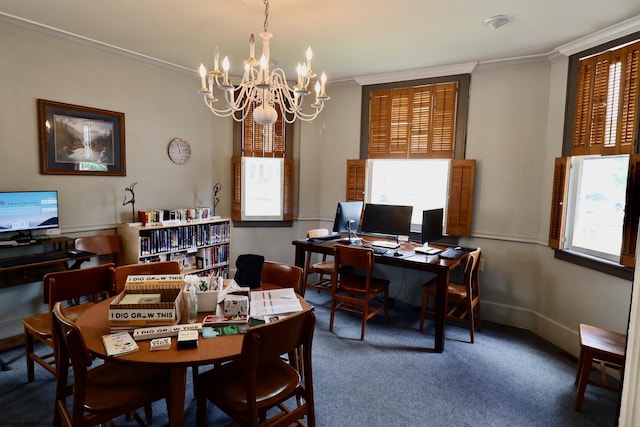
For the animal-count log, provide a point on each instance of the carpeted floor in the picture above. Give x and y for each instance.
(509, 377)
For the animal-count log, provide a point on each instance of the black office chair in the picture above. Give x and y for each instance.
(248, 269)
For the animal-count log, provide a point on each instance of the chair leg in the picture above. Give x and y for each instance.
(28, 344)
(583, 376)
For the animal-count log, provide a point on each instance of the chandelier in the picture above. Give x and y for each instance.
(262, 89)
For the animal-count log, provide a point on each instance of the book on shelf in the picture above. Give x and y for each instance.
(119, 343)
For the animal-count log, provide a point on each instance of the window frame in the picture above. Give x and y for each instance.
(283, 148)
(459, 208)
(561, 178)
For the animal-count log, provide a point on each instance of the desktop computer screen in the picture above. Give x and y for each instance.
(389, 220)
(347, 217)
(432, 225)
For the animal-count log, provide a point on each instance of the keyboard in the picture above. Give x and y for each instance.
(33, 259)
(385, 244)
(428, 250)
(452, 253)
(379, 251)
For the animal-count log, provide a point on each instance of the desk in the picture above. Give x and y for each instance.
(431, 263)
(93, 324)
(34, 265)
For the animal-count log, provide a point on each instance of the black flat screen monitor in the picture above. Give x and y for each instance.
(432, 225)
(347, 213)
(23, 211)
(390, 220)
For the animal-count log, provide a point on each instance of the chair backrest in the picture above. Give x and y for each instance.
(471, 271)
(103, 244)
(248, 268)
(317, 232)
(266, 343)
(69, 345)
(72, 284)
(123, 271)
(353, 256)
(283, 275)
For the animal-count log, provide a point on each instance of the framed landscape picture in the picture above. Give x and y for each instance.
(76, 140)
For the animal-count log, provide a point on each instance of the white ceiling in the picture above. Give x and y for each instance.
(349, 38)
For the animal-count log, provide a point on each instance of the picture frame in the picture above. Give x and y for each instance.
(77, 140)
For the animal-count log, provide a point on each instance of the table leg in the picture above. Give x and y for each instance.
(176, 400)
(441, 309)
(300, 256)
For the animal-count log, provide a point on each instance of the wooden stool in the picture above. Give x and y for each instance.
(600, 346)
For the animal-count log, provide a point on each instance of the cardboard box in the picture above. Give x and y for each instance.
(207, 301)
(236, 305)
(163, 313)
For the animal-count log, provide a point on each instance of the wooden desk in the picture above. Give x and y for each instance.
(32, 265)
(431, 263)
(93, 324)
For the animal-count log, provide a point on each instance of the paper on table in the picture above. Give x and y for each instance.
(275, 301)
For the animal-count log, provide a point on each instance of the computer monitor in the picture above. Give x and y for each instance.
(432, 225)
(347, 217)
(389, 220)
(24, 211)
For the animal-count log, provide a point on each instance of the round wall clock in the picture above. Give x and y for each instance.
(179, 151)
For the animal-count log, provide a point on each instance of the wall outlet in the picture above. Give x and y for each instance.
(481, 266)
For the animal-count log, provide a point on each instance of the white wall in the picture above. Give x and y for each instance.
(516, 117)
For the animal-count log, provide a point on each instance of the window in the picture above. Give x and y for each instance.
(595, 207)
(597, 199)
(263, 173)
(426, 188)
(412, 150)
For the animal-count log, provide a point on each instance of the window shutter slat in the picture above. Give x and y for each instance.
(287, 200)
(631, 213)
(413, 123)
(356, 178)
(599, 104)
(559, 202)
(630, 92)
(236, 188)
(460, 203)
(582, 118)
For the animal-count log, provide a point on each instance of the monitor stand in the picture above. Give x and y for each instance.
(25, 237)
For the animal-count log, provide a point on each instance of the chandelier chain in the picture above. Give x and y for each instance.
(266, 15)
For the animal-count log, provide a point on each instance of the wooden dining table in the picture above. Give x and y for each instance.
(93, 325)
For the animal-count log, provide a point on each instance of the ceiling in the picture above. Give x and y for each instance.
(349, 38)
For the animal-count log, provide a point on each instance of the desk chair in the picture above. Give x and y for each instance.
(104, 392)
(463, 298)
(602, 347)
(63, 286)
(324, 268)
(259, 380)
(123, 271)
(353, 292)
(101, 245)
(283, 275)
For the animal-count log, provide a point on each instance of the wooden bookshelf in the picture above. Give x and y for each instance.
(201, 246)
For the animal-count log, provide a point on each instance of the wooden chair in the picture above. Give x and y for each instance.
(63, 286)
(283, 275)
(259, 379)
(463, 298)
(123, 271)
(104, 392)
(604, 348)
(354, 292)
(101, 245)
(323, 268)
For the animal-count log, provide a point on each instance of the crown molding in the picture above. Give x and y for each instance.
(420, 73)
(605, 35)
